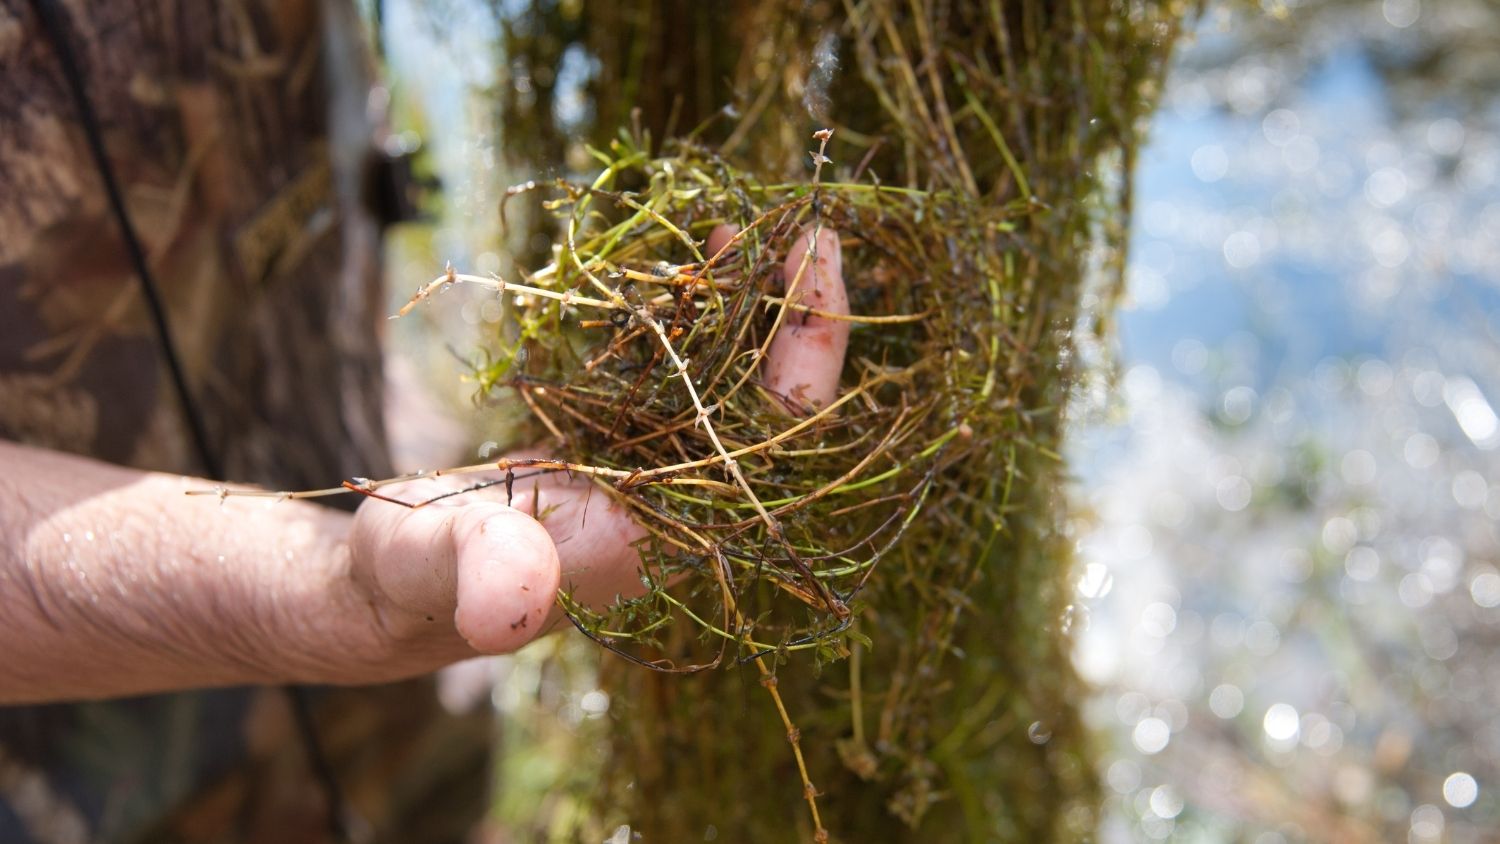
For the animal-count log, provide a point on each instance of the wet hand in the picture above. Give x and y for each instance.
(494, 570)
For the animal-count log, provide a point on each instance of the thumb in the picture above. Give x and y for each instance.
(489, 568)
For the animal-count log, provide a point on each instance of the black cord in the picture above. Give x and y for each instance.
(56, 28)
(317, 760)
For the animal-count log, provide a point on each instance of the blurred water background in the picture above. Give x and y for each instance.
(1287, 528)
(1289, 567)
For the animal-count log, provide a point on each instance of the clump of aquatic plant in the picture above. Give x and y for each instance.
(888, 566)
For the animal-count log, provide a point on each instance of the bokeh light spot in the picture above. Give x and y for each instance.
(1460, 790)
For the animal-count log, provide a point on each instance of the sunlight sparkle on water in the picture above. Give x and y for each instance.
(1281, 722)
(1151, 735)
(1460, 790)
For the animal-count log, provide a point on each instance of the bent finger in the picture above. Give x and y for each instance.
(594, 534)
(806, 356)
(490, 568)
(718, 239)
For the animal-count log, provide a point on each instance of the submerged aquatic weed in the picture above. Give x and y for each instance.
(893, 560)
(889, 566)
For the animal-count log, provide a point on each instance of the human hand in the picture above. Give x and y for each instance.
(113, 582)
(495, 570)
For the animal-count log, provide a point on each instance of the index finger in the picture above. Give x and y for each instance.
(806, 357)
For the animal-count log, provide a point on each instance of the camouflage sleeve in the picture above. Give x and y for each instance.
(239, 135)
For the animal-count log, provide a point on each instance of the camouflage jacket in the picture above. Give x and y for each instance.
(239, 134)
